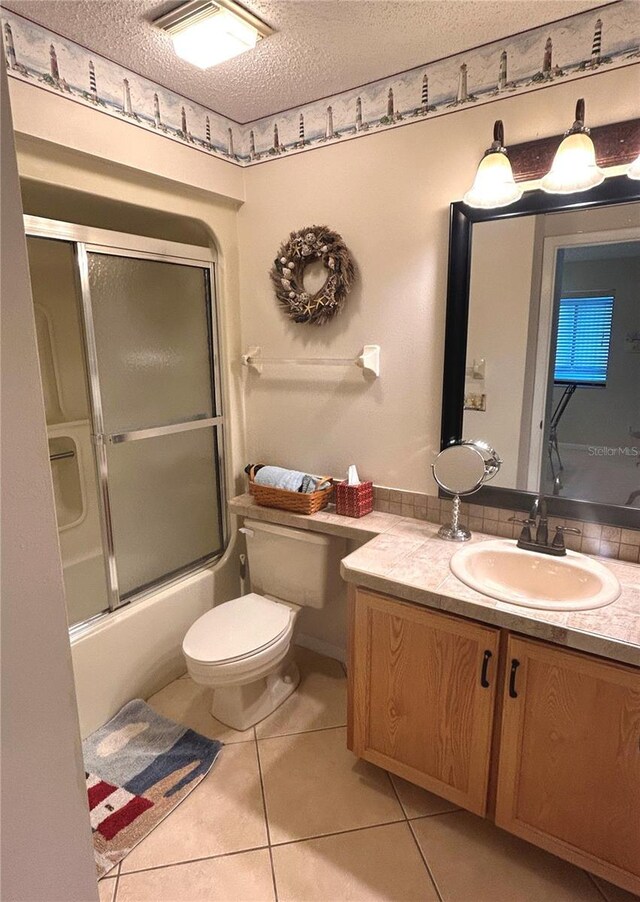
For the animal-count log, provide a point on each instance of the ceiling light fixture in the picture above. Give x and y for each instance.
(574, 166)
(494, 184)
(206, 33)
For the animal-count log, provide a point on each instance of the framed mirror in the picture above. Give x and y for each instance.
(542, 348)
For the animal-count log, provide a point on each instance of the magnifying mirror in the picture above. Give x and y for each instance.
(461, 469)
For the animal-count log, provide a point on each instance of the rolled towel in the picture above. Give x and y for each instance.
(290, 480)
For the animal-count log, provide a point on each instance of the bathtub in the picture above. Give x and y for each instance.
(85, 588)
(137, 650)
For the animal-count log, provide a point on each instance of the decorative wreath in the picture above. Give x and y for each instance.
(287, 275)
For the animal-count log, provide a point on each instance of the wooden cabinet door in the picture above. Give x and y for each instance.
(569, 772)
(422, 692)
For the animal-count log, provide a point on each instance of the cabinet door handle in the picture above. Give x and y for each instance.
(512, 678)
(484, 682)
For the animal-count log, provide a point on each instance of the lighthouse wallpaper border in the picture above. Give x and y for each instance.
(575, 47)
(47, 60)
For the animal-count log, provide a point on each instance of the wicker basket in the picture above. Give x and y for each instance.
(297, 502)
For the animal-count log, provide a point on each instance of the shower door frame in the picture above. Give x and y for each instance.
(88, 240)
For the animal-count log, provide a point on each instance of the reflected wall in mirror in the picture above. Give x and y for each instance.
(551, 362)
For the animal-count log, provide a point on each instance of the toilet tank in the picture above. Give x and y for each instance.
(293, 564)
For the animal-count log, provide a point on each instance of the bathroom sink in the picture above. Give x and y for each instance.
(500, 569)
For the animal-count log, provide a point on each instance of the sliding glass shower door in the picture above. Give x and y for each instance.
(156, 410)
(145, 315)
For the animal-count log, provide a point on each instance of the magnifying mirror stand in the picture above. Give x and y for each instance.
(453, 531)
(461, 469)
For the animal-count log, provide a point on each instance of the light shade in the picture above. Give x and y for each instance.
(208, 32)
(574, 166)
(494, 185)
(634, 170)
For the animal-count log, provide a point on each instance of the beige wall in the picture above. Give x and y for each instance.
(606, 219)
(388, 195)
(499, 298)
(47, 117)
(46, 837)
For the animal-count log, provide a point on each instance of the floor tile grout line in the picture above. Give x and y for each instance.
(263, 794)
(418, 817)
(175, 864)
(599, 889)
(340, 726)
(266, 821)
(293, 842)
(425, 862)
(397, 795)
(288, 842)
(415, 840)
(273, 875)
(235, 852)
(117, 881)
(423, 817)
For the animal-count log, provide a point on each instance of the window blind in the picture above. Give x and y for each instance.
(584, 336)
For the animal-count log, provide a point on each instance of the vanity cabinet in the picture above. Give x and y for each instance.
(543, 740)
(569, 766)
(423, 695)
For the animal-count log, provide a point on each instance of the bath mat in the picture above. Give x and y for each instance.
(139, 766)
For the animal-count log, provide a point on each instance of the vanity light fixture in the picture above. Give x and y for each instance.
(206, 33)
(574, 166)
(634, 170)
(494, 184)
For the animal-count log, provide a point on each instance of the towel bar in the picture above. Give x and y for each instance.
(62, 455)
(368, 360)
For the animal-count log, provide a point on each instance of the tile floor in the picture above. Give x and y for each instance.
(289, 814)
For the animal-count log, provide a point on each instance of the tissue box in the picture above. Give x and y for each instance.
(354, 500)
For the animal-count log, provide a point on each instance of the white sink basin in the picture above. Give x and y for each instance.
(502, 570)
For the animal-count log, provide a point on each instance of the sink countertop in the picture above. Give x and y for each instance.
(406, 559)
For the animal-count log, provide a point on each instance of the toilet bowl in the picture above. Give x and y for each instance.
(242, 649)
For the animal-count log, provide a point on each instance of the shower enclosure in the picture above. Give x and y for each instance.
(129, 359)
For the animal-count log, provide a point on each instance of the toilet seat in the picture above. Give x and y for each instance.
(237, 630)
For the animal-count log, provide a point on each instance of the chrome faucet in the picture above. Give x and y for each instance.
(538, 518)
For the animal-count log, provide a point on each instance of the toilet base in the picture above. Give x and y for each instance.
(240, 707)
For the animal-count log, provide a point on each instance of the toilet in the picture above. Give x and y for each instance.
(242, 649)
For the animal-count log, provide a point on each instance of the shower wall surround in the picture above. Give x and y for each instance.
(572, 48)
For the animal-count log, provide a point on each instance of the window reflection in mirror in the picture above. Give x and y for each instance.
(553, 351)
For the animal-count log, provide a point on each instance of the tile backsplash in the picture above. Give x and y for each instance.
(596, 538)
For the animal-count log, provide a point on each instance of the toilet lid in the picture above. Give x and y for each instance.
(236, 629)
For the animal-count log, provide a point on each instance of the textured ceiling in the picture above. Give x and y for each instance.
(321, 47)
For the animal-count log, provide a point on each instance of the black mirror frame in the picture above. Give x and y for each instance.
(614, 190)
